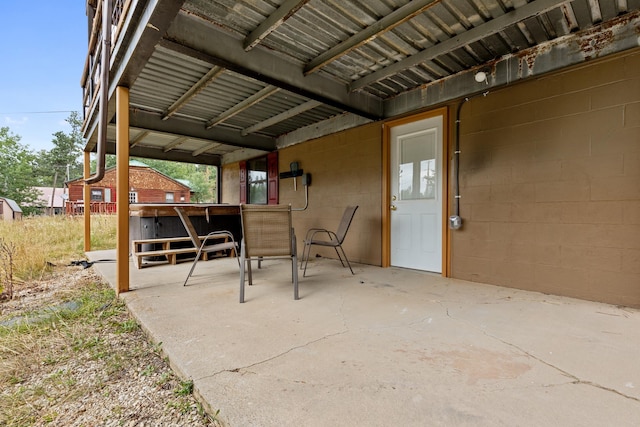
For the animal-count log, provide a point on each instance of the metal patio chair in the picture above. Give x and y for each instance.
(334, 240)
(203, 244)
(267, 233)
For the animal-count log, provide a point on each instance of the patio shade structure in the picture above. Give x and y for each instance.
(204, 81)
(210, 78)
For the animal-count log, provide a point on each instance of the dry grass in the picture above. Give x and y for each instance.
(87, 363)
(41, 242)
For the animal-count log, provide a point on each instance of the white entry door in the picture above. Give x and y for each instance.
(416, 195)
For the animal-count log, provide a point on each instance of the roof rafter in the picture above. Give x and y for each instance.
(175, 143)
(387, 23)
(206, 148)
(309, 105)
(204, 81)
(138, 139)
(491, 27)
(189, 128)
(190, 36)
(284, 12)
(248, 102)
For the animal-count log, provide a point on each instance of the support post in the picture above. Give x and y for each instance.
(86, 197)
(122, 185)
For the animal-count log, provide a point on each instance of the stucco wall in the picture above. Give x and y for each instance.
(550, 184)
(346, 169)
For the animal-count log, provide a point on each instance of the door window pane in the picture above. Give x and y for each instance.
(417, 168)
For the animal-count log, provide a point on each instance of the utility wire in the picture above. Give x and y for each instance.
(41, 112)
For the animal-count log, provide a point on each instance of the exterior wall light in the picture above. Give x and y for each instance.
(481, 76)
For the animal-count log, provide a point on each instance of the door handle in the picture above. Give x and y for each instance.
(394, 208)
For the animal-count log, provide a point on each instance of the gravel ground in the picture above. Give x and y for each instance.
(131, 384)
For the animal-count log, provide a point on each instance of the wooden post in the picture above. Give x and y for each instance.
(86, 197)
(122, 186)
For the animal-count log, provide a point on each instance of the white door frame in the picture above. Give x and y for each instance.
(386, 185)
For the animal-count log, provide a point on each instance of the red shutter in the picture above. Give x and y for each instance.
(272, 178)
(243, 182)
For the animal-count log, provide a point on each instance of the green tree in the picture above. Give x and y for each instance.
(64, 159)
(203, 181)
(16, 171)
(201, 178)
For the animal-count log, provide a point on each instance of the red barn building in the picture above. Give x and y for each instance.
(146, 185)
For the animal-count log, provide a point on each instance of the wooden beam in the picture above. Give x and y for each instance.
(491, 27)
(205, 149)
(204, 81)
(284, 12)
(309, 105)
(139, 138)
(387, 23)
(193, 37)
(179, 126)
(238, 108)
(122, 192)
(173, 144)
(86, 197)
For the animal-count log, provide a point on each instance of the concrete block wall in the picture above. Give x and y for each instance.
(346, 169)
(550, 184)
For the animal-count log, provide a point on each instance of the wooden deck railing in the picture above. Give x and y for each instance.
(77, 208)
(90, 81)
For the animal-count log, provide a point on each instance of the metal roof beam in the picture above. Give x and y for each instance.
(138, 139)
(206, 148)
(193, 91)
(193, 37)
(491, 27)
(178, 126)
(175, 143)
(309, 105)
(615, 35)
(238, 108)
(175, 156)
(387, 23)
(284, 12)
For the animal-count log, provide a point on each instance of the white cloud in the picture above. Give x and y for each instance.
(16, 122)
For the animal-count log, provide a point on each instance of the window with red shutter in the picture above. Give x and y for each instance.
(259, 180)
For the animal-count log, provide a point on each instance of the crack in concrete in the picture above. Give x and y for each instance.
(575, 379)
(274, 357)
(269, 359)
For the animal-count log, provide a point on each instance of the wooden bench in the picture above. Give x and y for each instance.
(168, 249)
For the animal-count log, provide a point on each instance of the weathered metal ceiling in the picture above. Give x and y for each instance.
(212, 78)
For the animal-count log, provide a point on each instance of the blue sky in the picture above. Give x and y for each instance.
(43, 45)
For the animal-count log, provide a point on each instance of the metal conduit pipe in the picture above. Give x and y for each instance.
(455, 221)
(101, 149)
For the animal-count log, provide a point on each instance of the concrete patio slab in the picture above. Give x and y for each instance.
(387, 347)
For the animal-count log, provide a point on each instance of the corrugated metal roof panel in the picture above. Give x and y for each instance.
(466, 27)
